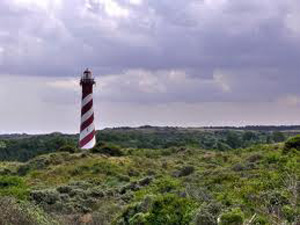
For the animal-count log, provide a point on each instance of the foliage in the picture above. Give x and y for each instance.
(207, 214)
(107, 149)
(278, 136)
(163, 209)
(22, 213)
(68, 148)
(184, 171)
(292, 143)
(173, 185)
(233, 217)
(13, 186)
(25, 147)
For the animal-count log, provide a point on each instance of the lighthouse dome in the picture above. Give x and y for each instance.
(87, 78)
(87, 74)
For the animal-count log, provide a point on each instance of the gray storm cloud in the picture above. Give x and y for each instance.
(56, 37)
(152, 52)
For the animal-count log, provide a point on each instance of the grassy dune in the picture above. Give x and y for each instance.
(177, 185)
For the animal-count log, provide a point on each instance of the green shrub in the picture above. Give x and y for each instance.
(13, 186)
(254, 157)
(64, 189)
(108, 149)
(138, 219)
(278, 136)
(273, 158)
(207, 214)
(292, 143)
(274, 198)
(68, 148)
(233, 217)
(122, 177)
(44, 196)
(164, 209)
(184, 171)
(172, 210)
(204, 218)
(222, 146)
(259, 220)
(44, 161)
(22, 213)
(288, 213)
(166, 185)
(5, 171)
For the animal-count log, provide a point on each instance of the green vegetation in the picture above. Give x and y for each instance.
(292, 143)
(168, 209)
(23, 213)
(68, 148)
(21, 148)
(25, 147)
(233, 217)
(107, 149)
(13, 186)
(180, 184)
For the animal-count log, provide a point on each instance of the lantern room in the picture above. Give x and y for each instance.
(87, 77)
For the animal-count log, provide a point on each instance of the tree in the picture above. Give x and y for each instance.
(278, 136)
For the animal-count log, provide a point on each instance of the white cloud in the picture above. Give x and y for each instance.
(290, 100)
(136, 2)
(113, 8)
(222, 81)
(71, 84)
(145, 86)
(292, 23)
(36, 5)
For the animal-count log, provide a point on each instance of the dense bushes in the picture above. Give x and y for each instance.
(67, 199)
(44, 161)
(233, 217)
(107, 149)
(14, 213)
(178, 185)
(13, 186)
(292, 143)
(25, 147)
(28, 147)
(166, 209)
(151, 137)
(207, 214)
(184, 171)
(68, 148)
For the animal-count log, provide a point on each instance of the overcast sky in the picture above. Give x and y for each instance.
(157, 62)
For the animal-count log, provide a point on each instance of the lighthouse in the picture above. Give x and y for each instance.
(87, 139)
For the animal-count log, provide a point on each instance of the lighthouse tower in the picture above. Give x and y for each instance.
(87, 138)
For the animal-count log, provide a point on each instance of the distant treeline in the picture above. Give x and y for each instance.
(259, 128)
(24, 147)
(207, 139)
(283, 128)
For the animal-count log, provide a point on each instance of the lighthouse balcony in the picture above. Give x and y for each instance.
(87, 81)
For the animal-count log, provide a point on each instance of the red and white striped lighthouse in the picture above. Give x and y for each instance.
(87, 139)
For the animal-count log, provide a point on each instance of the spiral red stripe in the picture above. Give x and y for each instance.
(86, 123)
(87, 139)
(87, 107)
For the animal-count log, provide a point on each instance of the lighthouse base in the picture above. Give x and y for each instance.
(90, 144)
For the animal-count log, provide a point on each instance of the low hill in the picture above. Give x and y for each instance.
(22, 147)
(182, 185)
